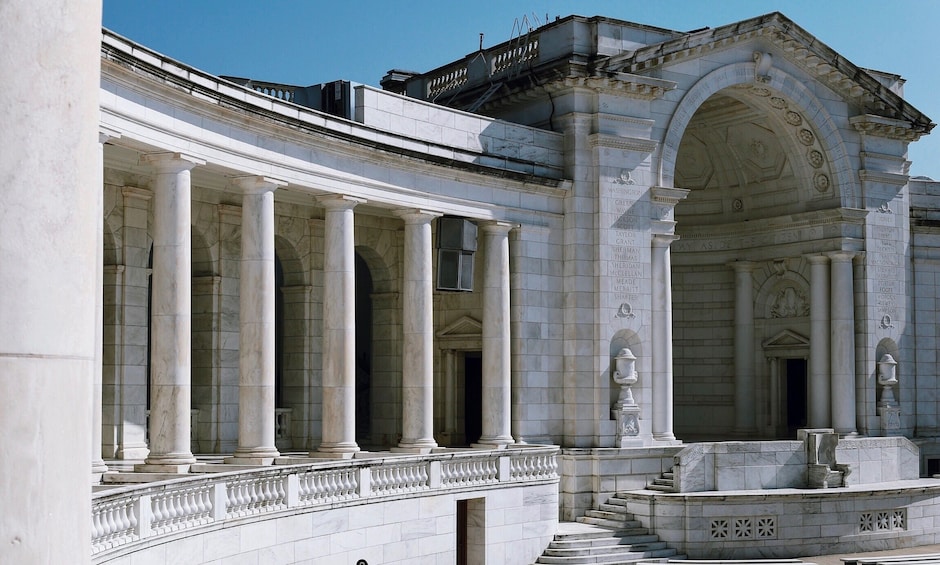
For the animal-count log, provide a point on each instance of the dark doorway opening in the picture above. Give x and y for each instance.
(461, 532)
(473, 396)
(795, 395)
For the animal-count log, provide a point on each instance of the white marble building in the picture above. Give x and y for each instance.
(479, 254)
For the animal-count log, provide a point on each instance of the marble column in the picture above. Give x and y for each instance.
(842, 343)
(819, 382)
(662, 338)
(256, 340)
(49, 108)
(339, 329)
(98, 466)
(745, 415)
(418, 334)
(497, 377)
(171, 315)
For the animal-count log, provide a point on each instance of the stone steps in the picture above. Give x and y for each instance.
(608, 534)
(665, 483)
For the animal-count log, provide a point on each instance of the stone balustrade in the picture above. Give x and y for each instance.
(127, 517)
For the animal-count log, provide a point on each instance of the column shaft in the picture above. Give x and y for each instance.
(745, 415)
(256, 342)
(97, 463)
(171, 315)
(497, 377)
(339, 328)
(418, 334)
(49, 108)
(662, 338)
(842, 343)
(819, 381)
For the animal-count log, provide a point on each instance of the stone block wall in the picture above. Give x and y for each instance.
(788, 524)
(749, 466)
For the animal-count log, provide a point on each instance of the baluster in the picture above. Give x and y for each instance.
(96, 527)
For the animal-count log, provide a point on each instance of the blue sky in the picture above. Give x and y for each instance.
(306, 42)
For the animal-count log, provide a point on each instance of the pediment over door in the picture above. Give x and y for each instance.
(785, 344)
(465, 333)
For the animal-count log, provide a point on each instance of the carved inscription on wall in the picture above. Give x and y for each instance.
(885, 273)
(628, 266)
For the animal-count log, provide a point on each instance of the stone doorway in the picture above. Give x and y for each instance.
(473, 396)
(794, 411)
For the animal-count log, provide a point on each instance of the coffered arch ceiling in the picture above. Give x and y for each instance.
(748, 153)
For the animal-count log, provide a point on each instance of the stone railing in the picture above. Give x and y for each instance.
(516, 53)
(450, 78)
(127, 517)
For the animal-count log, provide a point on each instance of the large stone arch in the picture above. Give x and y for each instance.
(786, 85)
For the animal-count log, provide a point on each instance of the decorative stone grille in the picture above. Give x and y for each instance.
(883, 521)
(748, 528)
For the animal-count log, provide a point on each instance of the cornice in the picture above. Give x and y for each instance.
(889, 128)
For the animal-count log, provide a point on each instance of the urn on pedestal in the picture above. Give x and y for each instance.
(626, 411)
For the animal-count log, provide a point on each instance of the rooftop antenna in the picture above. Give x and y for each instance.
(481, 42)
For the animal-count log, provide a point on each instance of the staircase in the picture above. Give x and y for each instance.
(606, 535)
(665, 483)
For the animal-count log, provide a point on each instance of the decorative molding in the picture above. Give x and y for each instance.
(644, 88)
(622, 143)
(889, 128)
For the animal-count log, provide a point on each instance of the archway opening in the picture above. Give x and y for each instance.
(755, 168)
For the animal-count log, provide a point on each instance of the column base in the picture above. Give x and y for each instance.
(98, 467)
(415, 446)
(253, 456)
(493, 443)
(329, 455)
(336, 449)
(251, 461)
(133, 451)
(162, 468)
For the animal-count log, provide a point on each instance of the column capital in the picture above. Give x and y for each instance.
(497, 226)
(416, 215)
(843, 256)
(255, 184)
(105, 133)
(817, 259)
(170, 162)
(339, 201)
(742, 266)
(663, 239)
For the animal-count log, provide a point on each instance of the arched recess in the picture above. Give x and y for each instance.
(766, 167)
(295, 395)
(628, 339)
(378, 351)
(798, 98)
(879, 395)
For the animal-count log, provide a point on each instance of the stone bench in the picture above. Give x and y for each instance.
(724, 561)
(918, 559)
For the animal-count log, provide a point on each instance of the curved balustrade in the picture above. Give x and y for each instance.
(129, 515)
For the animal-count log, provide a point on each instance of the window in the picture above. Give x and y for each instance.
(456, 243)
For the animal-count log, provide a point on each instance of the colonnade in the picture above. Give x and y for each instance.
(831, 375)
(171, 331)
